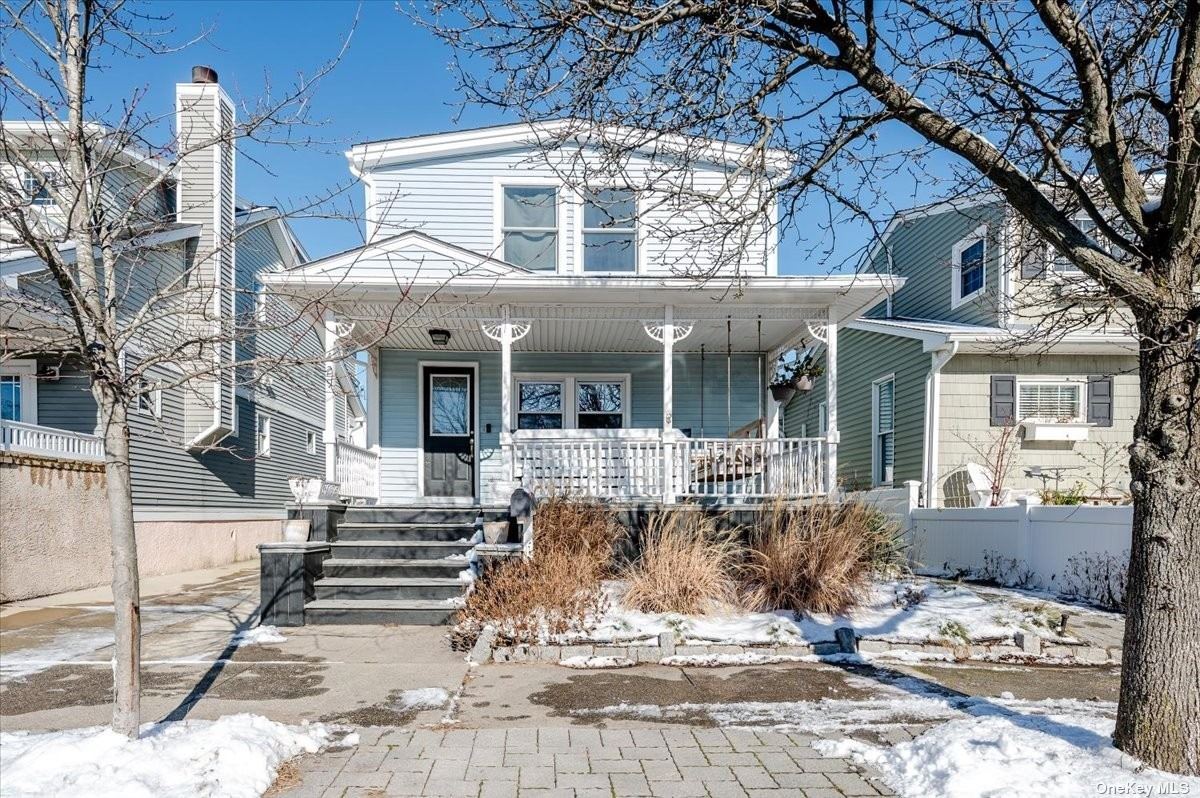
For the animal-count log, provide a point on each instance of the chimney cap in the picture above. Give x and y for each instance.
(204, 74)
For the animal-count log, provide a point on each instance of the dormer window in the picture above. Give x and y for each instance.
(969, 260)
(530, 227)
(610, 231)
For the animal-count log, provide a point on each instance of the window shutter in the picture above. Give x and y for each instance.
(1100, 401)
(1003, 400)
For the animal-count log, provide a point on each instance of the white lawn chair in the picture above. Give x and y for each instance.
(979, 481)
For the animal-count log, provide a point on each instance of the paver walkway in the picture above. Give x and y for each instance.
(580, 763)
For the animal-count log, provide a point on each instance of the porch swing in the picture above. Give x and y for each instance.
(726, 461)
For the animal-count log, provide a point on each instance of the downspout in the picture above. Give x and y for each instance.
(933, 388)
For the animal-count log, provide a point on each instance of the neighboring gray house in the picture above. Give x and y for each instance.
(930, 378)
(209, 477)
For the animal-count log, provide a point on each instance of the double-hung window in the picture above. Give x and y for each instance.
(540, 404)
(610, 231)
(1051, 400)
(883, 445)
(18, 391)
(571, 402)
(529, 227)
(37, 187)
(969, 261)
(264, 435)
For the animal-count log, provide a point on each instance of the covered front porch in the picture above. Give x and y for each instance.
(629, 389)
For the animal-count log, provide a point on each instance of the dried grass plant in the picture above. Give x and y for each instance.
(817, 557)
(687, 565)
(556, 590)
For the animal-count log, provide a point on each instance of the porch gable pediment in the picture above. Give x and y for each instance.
(409, 255)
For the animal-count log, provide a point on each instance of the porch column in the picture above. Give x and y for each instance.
(329, 341)
(373, 419)
(506, 332)
(832, 436)
(668, 341)
(773, 408)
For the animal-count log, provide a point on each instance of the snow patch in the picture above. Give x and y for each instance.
(718, 660)
(597, 662)
(234, 757)
(258, 636)
(423, 698)
(1052, 748)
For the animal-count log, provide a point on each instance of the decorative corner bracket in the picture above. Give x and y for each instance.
(654, 329)
(494, 329)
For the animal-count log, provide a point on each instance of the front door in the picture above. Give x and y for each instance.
(449, 431)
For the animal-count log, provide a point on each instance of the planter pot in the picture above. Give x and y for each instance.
(495, 532)
(802, 383)
(295, 530)
(782, 393)
(311, 490)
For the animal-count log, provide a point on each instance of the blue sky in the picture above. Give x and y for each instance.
(393, 81)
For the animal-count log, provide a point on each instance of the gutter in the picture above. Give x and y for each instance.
(933, 399)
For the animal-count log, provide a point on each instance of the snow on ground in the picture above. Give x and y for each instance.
(423, 698)
(1008, 748)
(901, 611)
(232, 757)
(259, 636)
(597, 662)
(720, 660)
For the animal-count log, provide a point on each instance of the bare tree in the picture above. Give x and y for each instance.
(86, 196)
(1061, 110)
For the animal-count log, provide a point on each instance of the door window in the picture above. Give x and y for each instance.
(449, 405)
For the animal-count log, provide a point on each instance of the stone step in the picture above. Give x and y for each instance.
(338, 568)
(420, 515)
(388, 530)
(385, 588)
(408, 612)
(398, 549)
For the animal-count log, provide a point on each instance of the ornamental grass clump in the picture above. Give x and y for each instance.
(529, 600)
(687, 565)
(817, 557)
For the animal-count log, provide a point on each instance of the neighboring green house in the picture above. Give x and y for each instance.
(930, 380)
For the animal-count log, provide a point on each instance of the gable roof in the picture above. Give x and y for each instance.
(935, 335)
(411, 253)
(371, 155)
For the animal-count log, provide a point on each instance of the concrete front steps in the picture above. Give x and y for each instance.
(395, 565)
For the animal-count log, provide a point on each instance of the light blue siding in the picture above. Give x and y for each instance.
(398, 400)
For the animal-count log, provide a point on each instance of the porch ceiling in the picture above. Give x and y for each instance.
(582, 328)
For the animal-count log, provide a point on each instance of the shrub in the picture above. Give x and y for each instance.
(818, 557)
(1097, 577)
(686, 565)
(556, 590)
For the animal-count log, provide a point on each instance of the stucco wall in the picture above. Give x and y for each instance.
(54, 532)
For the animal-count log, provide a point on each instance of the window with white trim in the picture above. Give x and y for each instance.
(529, 227)
(582, 401)
(37, 187)
(263, 440)
(1060, 401)
(969, 261)
(1061, 264)
(540, 404)
(883, 445)
(310, 442)
(148, 401)
(610, 231)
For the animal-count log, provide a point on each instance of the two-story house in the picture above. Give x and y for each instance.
(976, 355)
(570, 330)
(211, 457)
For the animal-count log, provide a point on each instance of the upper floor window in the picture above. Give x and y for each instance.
(529, 227)
(610, 231)
(37, 187)
(969, 259)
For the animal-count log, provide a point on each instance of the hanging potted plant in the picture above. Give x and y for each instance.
(804, 371)
(782, 387)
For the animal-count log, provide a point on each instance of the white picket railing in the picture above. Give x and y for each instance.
(50, 442)
(356, 470)
(643, 464)
(750, 468)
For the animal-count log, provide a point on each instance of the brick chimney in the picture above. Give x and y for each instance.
(205, 196)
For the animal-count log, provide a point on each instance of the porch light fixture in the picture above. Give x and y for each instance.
(439, 336)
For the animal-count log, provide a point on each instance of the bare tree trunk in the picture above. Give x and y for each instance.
(1158, 718)
(127, 621)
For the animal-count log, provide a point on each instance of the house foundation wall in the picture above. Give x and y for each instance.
(55, 535)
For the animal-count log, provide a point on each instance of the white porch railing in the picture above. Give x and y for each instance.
(50, 442)
(357, 470)
(643, 464)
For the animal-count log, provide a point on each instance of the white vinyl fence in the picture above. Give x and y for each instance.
(1063, 549)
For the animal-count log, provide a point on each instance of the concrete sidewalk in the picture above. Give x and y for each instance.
(55, 657)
